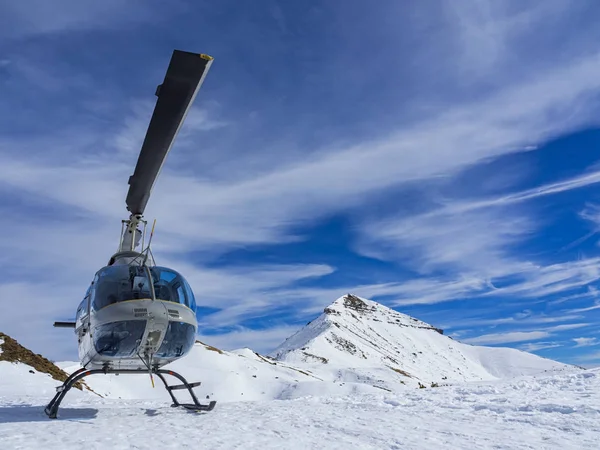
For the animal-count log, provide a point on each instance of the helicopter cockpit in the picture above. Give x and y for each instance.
(119, 337)
(119, 283)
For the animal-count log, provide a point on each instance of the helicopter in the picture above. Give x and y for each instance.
(136, 316)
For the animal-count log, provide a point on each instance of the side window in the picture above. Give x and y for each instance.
(182, 297)
(171, 286)
(86, 300)
(165, 284)
(189, 296)
(80, 311)
(83, 309)
(92, 294)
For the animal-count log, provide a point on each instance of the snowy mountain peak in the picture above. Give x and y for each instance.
(360, 340)
(352, 307)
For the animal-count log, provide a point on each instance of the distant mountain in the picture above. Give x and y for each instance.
(356, 339)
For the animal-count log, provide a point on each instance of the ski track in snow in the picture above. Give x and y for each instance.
(545, 412)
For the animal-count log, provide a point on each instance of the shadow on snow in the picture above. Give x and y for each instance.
(30, 413)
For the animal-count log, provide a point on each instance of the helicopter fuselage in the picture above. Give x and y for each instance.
(135, 316)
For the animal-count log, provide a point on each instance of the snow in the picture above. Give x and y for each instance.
(242, 375)
(347, 380)
(543, 412)
(20, 380)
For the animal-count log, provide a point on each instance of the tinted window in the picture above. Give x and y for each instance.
(120, 283)
(179, 339)
(119, 338)
(81, 309)
(114, 284)
(171, 286)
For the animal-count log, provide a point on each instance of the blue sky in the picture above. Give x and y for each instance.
(441, 158)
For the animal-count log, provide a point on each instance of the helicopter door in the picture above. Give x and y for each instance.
(82, 317)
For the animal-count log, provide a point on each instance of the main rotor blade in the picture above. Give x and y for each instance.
(182, 82)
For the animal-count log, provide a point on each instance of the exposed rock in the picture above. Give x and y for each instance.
(355, 303)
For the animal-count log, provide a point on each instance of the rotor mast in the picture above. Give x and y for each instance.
(176, 94)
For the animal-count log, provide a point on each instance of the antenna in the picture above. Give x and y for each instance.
(147, 250)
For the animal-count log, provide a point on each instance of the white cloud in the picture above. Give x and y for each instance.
(32, 17)
(494, 38)
(474, 235)
(521, 336)
(507, 338)
(515, 320)
(593, 357)
(567, 326)
(130, 137)
(535, 346)
(261, 207)
(471, 242)
(586, 341)
(531, 282)
(596, 305)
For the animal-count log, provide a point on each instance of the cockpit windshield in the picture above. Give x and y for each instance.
(119, 283)
(171, 286)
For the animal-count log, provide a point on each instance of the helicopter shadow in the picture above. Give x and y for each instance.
(31, 413)
(152, 412)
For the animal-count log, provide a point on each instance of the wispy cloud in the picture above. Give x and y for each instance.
(506, 338)
(523, 336)
(469, 242)
(535, 346)
(477, 233)
(593, 357)
(586, 341)
(33, 17)
(260, 209)
(595, 306)
(519, 319)
(567, 326)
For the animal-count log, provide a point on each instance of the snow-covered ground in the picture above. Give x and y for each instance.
(544, 412)
(347, 380)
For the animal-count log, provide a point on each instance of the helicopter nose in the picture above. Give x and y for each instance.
(156, 327)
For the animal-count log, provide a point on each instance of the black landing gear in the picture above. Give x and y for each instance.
(52, 409)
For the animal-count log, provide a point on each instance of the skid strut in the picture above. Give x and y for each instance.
(52, 409)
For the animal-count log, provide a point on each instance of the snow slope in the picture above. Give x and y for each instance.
(241, 375)
(544, 412)
(360, 340)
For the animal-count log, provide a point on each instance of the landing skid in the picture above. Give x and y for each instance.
(52, 409)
